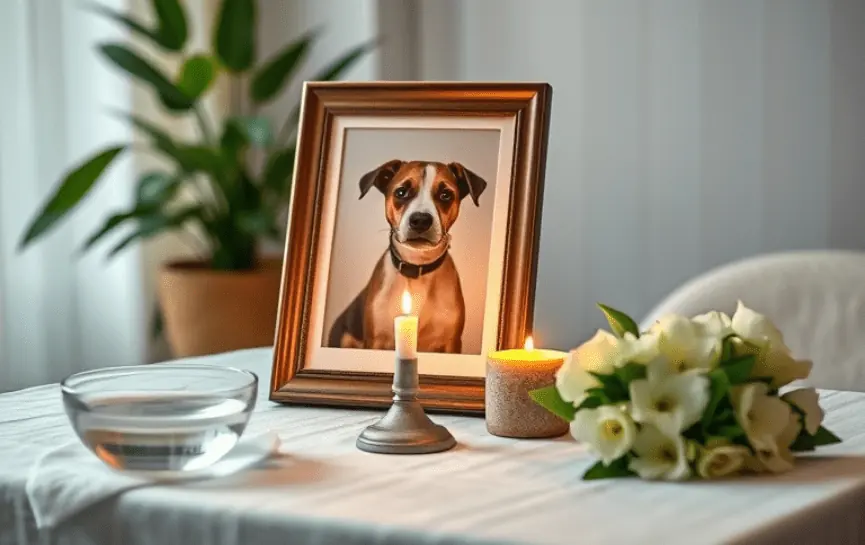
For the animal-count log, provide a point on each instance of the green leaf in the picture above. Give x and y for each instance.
(825, 437)
(199, 159)
(738, 370)
(550, 399)
(591, 402)
(172, 24)
(160, 138)
(806, 442)
(174, 104)
(191, 159)
(803, 443)
(277, 71)
(233, 140)
(337, 68)
(620, 322)
(630, 372)
(130, 62)
(727, 347)
(155, 188)
(72, 189)
(731, 431)
(171, 32)
(725, 414)
(694, 433)
(719, 385)
(334, 71)
(600, 394)
(130, 23)
(197, 74)
(257, 129)
(613, 387)
(617, 469)
(279, 171)
(255, 222)
(110, 224)
(156, 223)
(235, 34)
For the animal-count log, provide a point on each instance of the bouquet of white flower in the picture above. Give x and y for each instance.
(690, 397)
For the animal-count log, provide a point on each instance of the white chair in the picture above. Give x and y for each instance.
(816, 298)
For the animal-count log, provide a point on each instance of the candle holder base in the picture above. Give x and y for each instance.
(405, 429)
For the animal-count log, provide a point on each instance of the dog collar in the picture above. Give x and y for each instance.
(410, 270)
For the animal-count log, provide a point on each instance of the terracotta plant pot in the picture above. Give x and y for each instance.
(207, 311)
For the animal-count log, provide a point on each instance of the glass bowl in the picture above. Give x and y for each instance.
(164, 417)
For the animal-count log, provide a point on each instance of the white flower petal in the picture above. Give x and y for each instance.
(643, 349)
(791, 431)
(658, 370)
(672, 402)
(781, 367)
(774, 458)
(715, 323)
(616, 433)
(771, 416)
(583, 427)
(687, 344)
(721, 461)
(641, 399)
(808, 401)
(649, 468)
(659, 455)
(607, 431)
(600, 354)
(763, 417)
(692, 392)
(681, 471)
(755, 327)
(572, 381)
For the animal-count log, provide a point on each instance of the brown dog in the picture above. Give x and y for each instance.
(422, 202)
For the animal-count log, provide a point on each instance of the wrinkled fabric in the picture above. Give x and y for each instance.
(321, 489)
(69, 479)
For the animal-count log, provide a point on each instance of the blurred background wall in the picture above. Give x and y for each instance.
(685, 134)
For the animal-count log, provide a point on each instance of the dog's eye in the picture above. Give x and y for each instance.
(446, 196)
(401, 192)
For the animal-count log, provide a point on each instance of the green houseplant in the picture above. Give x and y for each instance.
(211, 185)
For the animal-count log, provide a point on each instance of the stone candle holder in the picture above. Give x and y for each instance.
(510, 376)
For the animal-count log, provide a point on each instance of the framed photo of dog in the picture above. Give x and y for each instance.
(434, 189)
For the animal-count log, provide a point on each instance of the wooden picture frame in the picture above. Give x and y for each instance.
(524, 109)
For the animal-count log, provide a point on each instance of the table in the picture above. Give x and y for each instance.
(488, 490)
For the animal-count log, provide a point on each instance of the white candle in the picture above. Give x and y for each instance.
(405, 331)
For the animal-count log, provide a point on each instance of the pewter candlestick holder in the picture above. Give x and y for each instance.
(405, 428)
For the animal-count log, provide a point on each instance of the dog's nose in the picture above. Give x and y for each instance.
(420, 221)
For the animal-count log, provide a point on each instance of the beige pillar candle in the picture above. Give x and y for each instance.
(405, 331)
(511, 375)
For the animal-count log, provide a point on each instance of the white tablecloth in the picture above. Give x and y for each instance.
(488, 490)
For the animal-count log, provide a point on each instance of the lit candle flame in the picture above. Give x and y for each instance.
(406, 302)
(530, 343)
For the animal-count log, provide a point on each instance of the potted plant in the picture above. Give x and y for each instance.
(228, 299)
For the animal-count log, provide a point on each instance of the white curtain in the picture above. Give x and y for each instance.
(61, 313)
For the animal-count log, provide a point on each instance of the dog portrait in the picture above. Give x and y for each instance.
(425, 191)
(420, 203)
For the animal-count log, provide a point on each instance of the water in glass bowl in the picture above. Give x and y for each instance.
(154, 428)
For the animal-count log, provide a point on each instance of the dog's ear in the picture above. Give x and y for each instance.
(379, 177)
(468, 182)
